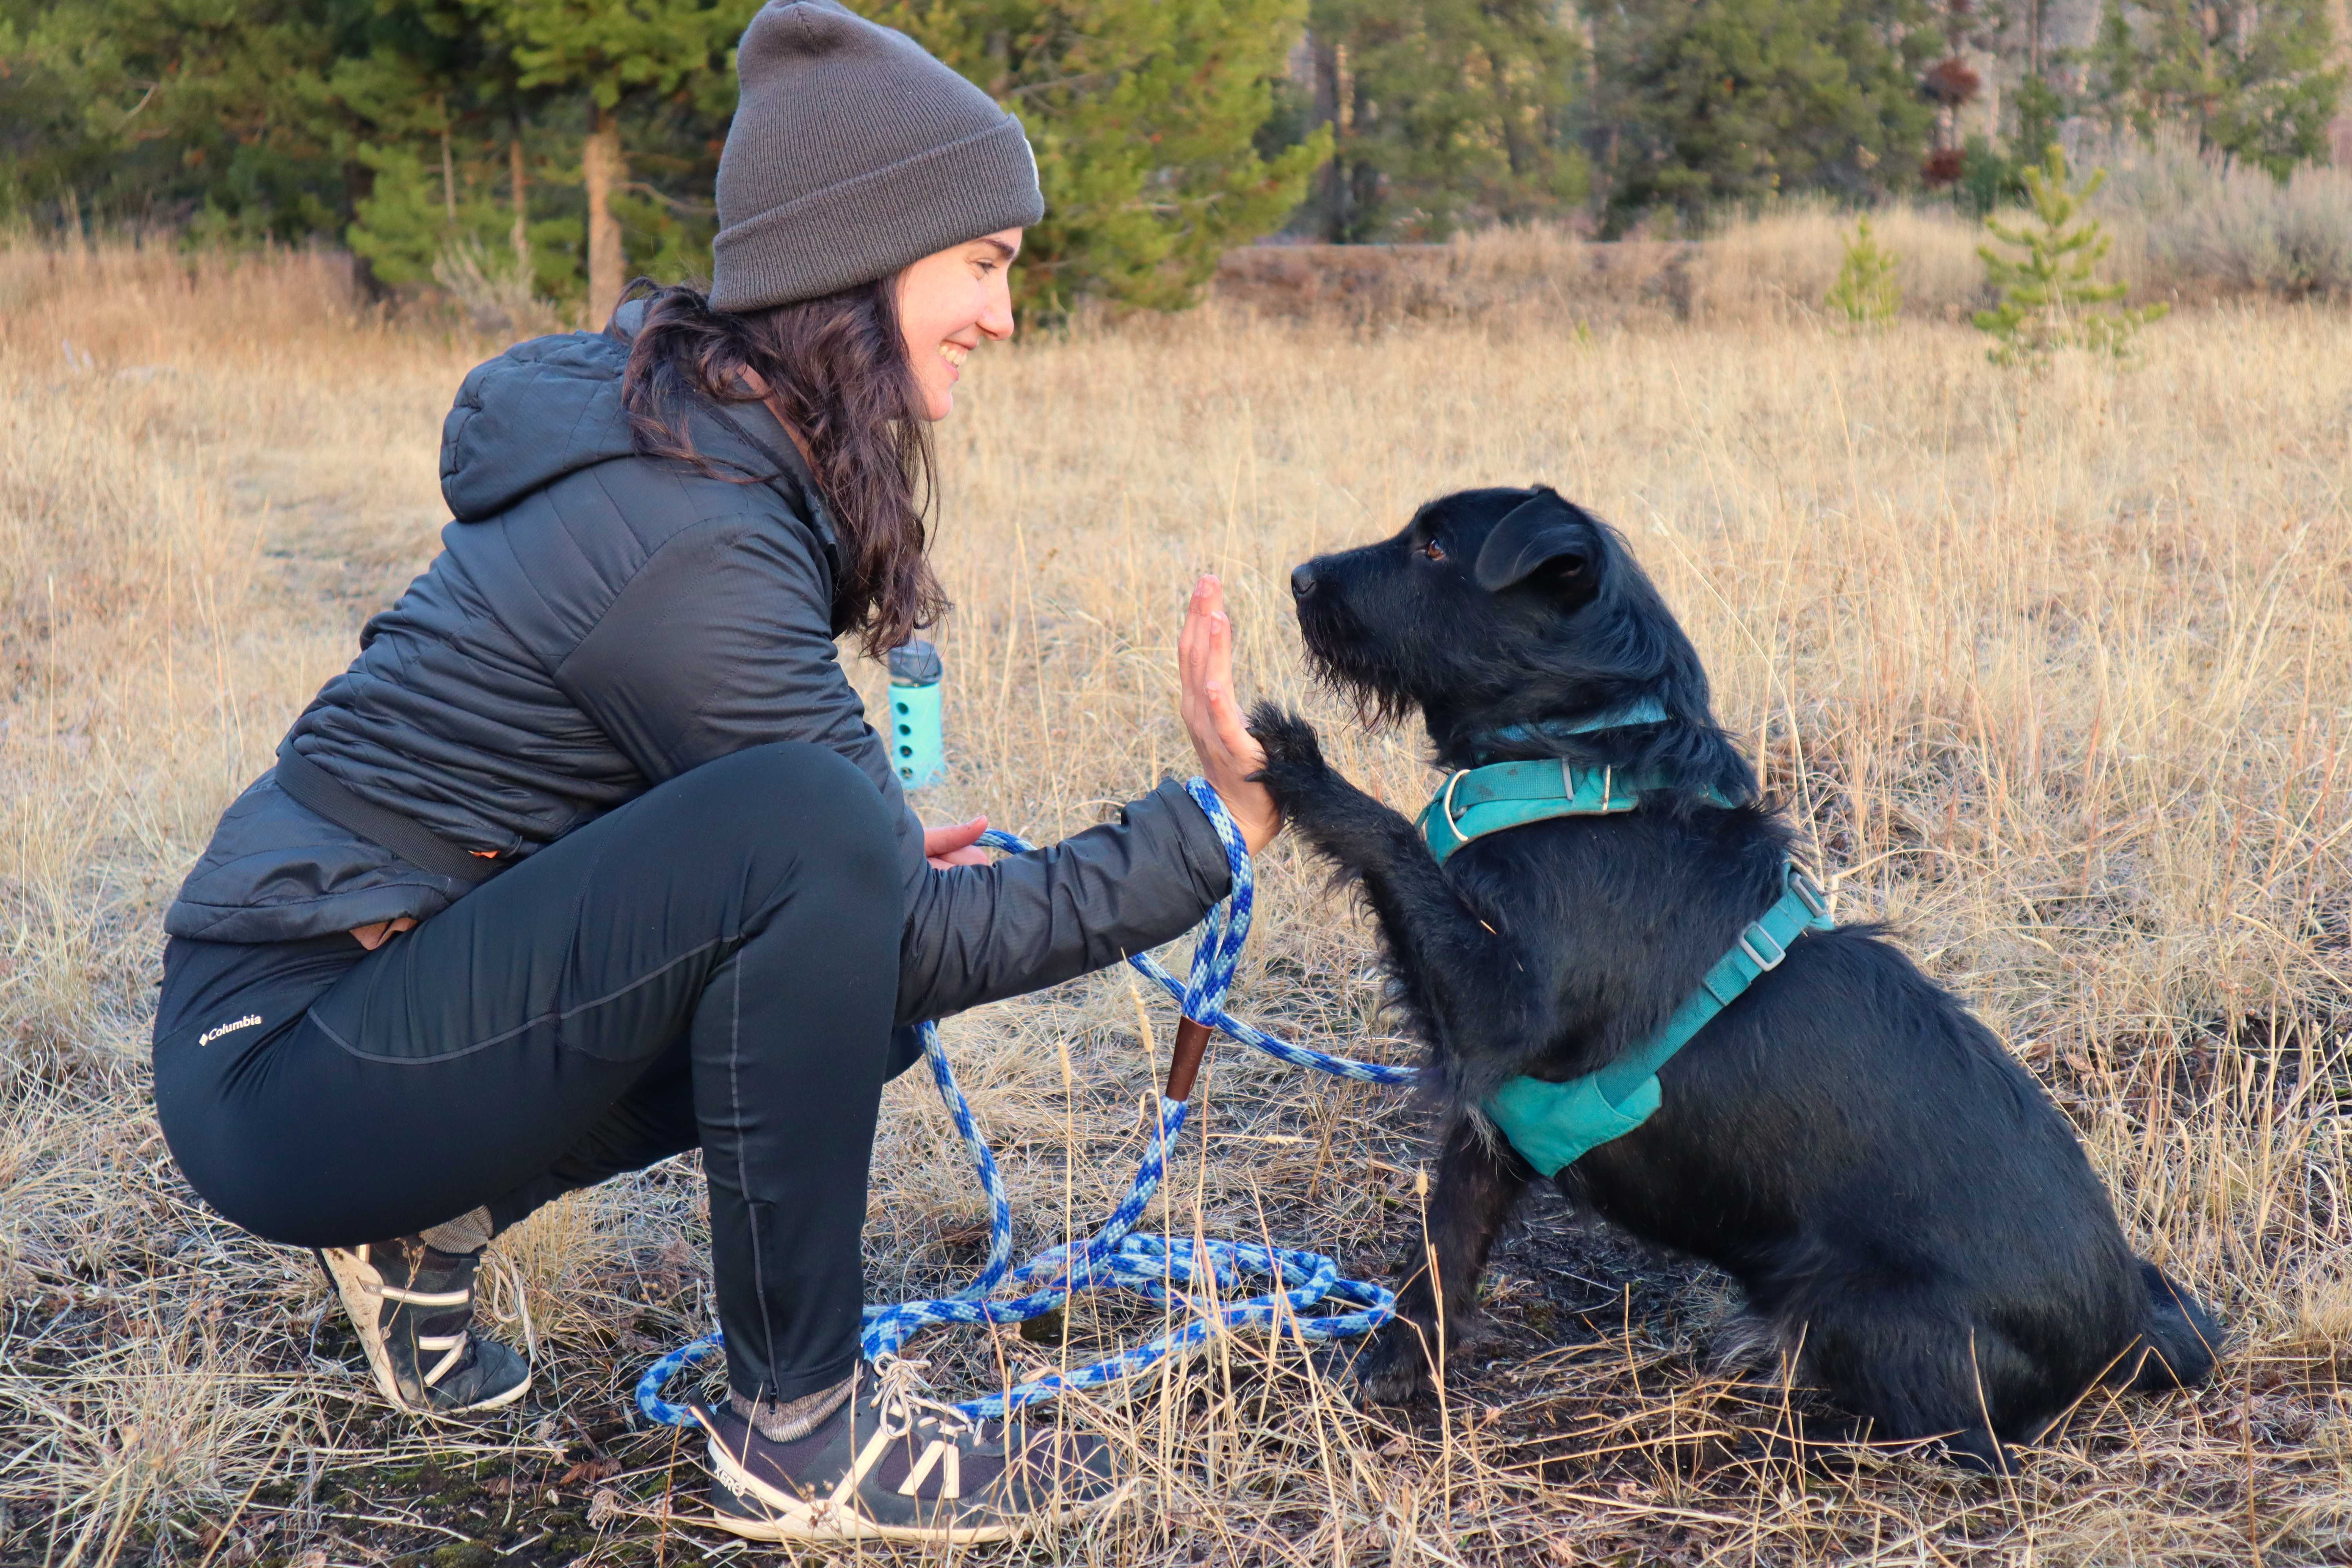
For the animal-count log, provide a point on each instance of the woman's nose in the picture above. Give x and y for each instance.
(1302, 581)
(996, 317)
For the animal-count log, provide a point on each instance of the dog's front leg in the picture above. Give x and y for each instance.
(1437, 1303)
(1491, 1000)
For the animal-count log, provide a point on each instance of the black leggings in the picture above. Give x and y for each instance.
(713, 965)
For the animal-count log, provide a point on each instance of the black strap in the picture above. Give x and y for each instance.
(311, 786)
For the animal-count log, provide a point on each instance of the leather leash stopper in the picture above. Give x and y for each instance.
(1184, 1066)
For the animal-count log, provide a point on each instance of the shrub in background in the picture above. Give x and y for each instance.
(2051, 297)
(2209, 217)
(1866, 292)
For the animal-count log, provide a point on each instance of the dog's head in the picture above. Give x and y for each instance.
(1500, 608)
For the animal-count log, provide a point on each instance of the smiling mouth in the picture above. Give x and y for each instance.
(955, 354)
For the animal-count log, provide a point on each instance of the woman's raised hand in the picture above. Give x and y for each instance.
(1229, 755)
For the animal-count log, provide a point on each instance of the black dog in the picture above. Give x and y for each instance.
(1912, 1220)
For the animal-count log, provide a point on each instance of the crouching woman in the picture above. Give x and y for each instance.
(591, 857)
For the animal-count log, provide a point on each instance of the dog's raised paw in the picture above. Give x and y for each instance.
(1294, 753)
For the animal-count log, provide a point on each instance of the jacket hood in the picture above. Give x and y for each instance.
(538, 412)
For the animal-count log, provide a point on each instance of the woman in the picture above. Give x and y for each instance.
(591, 856)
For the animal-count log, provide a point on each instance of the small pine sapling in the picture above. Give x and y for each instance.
(2051, 297)
(1866, 292)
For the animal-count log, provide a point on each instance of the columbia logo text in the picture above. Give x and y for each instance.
(247, 1022)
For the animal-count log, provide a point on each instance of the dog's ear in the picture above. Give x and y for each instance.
(1542, 531)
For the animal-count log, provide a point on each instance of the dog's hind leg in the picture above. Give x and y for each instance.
(1478, 1181)
(1917, 1375)
(2177, 1344)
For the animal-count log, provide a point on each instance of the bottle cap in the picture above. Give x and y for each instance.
(915, 663)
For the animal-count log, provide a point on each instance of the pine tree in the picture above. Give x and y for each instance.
(1143, 114)
(1735, 99)
(2257, 78)
(618, 55)
(1445, 110)
(144, 109)
(2051, 297)
(1866, 292)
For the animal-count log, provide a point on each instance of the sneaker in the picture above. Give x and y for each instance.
(414, 1308)
(893, 1465)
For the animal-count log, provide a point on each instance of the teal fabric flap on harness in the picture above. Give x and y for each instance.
(1556, 1124)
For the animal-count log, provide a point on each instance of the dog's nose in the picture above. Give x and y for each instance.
(1302, 581)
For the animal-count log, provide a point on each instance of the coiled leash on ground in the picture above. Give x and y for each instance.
(1165, 1268)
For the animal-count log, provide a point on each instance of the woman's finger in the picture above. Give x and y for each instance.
(937, 841)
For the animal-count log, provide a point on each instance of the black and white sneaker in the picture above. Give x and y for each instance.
(412, 1306)
(892, 1464)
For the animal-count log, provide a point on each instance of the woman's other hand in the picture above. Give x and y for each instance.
(948, 848)
(1229, 755)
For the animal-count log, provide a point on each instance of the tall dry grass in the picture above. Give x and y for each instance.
(2052, 670)
(1773, 269)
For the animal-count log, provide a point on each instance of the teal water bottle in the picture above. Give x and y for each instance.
(916, 747)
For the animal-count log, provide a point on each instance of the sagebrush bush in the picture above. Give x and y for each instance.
(2205, 218)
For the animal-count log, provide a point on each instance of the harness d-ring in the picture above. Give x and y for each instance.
(1447, 806)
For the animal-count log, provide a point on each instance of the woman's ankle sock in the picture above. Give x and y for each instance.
(468, 1232)
(793, 1418)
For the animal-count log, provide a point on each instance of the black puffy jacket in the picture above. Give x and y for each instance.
(599, 621)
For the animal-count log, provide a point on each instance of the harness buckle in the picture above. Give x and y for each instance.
(1809, 894)
(1763, 965)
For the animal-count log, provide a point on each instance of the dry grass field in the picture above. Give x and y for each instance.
(2052, 671)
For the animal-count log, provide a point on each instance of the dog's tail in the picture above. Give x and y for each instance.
(2178, 1340)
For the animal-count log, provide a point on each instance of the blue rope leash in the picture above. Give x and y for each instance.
(1164, 1268)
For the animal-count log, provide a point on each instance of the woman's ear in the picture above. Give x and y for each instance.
(1542, 533)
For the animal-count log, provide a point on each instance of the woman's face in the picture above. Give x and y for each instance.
(948, 303)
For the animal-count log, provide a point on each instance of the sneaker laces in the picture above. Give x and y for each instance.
(899, 1400)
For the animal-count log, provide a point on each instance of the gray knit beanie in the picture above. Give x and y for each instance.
(854, 152)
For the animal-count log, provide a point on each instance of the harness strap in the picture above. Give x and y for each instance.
(1556, 1124)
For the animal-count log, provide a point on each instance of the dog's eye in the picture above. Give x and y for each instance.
(1430, 548)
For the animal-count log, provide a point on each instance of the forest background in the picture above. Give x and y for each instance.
(551, 149)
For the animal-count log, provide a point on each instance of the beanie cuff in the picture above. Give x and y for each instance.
(871, 227)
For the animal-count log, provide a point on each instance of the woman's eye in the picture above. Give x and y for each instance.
(1434, 551)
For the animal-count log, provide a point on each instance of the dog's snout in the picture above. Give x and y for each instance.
(1302, 580)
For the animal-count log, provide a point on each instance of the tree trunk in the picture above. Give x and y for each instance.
(601, 169)
(521, 234)
(1334, 175)
(448, 169)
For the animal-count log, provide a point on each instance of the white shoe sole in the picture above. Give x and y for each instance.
(355, 1282)
(828, 1523)
(768, 1516)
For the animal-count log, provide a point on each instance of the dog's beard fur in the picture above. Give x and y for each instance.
(1371, 690)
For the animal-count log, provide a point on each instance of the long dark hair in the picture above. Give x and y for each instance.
(837, 373)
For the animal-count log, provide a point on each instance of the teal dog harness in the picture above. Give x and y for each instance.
(1553, 1125)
